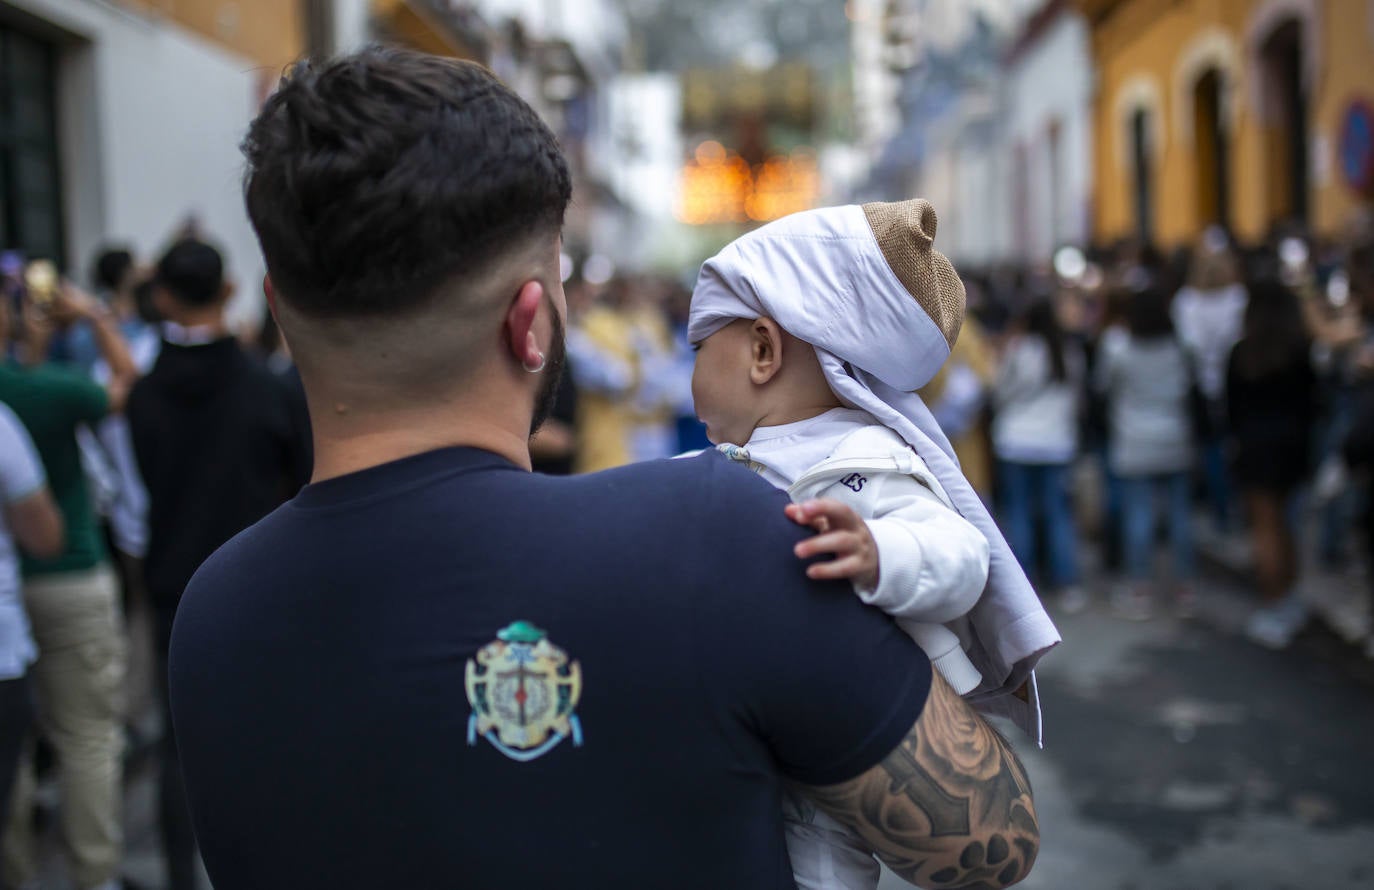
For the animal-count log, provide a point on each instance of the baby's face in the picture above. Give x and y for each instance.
(721, 390)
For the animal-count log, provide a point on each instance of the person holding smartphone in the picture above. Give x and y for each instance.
(72, 596)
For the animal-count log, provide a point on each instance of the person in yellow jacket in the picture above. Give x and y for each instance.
(956, 397)
(620, 352)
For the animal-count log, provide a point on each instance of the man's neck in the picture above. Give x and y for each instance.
(348, 443)
(202, 324)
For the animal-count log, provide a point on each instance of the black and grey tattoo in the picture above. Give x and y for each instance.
(950, 808)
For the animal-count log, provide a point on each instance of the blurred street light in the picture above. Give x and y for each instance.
(718, 186)
(598, 269)
(1070, 264)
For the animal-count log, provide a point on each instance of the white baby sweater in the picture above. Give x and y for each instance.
(933, 564)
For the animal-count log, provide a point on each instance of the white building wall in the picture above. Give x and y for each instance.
(978, 208)
(875, 86)
(1052, 82)
(151, 117)
(595, 28)
(640, 151)
(963, 178)
(937, 182)
(637, 149)
(352, 24)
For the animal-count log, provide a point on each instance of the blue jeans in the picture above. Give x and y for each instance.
(1217, 476)
(1031, 491)
(1110, 531)
(1338, 514)
(1139, 495)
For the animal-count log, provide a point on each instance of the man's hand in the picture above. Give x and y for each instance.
(71, 304)
(36, 332)
(842, 532)
(949, 808)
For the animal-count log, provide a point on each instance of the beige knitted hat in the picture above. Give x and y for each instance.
(905, 231)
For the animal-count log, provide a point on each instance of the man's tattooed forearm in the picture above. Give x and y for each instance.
(951, 808)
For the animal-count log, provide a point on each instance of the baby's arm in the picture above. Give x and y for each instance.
(915, 559)
(934, 562)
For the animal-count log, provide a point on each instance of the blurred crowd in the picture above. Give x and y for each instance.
(1222, 393)
(139, 433)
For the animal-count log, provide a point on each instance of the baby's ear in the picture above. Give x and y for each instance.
(765, 350)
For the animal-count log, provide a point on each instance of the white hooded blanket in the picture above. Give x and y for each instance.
(865, 287)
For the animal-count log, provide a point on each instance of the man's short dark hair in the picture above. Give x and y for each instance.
(192, 272)
(111, 266)
(377, 177)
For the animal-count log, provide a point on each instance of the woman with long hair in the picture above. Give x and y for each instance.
(1035, 439)
(1270, 394)
(1145, 377)
(1209, 313)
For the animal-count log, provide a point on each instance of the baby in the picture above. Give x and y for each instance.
(812, 334)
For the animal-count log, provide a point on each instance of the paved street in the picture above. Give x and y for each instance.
(1181, 757)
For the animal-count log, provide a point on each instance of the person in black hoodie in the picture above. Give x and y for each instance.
(219, 445)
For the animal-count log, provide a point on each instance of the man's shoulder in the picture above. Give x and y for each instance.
(707, 481)
(50, 377)
(48, 391)
(258, 544)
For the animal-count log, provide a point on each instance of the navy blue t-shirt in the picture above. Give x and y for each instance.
(446, 672)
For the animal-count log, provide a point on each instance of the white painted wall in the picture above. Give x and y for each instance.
(963, 178)
(151, 117)
(352, 24)
(642, 112)
(978, 214)
(595, 28)
(875, 86)
(637, 149)
(1052, 81)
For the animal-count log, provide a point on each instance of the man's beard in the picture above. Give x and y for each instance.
(553, 374)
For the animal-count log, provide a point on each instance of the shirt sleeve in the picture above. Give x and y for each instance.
(830, 685)
(932, 563)
(83, 400)
(21, 472)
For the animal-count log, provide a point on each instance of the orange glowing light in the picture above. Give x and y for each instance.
(719, 187)
(710, 152)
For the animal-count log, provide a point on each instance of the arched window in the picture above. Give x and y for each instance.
(1285, 98)
(30, 187)
(1136, 109)
(1211, 150)
(1142, 181)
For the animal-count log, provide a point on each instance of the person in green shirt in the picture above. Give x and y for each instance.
(72, 599)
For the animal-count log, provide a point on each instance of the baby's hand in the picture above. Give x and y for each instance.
(839, 531)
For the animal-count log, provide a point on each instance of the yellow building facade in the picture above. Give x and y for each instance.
(1235, 112)
(277, 32)
(415, 24)
(272, 32)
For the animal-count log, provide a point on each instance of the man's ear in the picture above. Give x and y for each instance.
(520, 335)
(270, 293)
(765, 350)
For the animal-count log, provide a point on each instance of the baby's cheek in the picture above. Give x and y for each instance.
(698, 402)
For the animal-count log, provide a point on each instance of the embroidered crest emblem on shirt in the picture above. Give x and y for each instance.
(523, 691)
